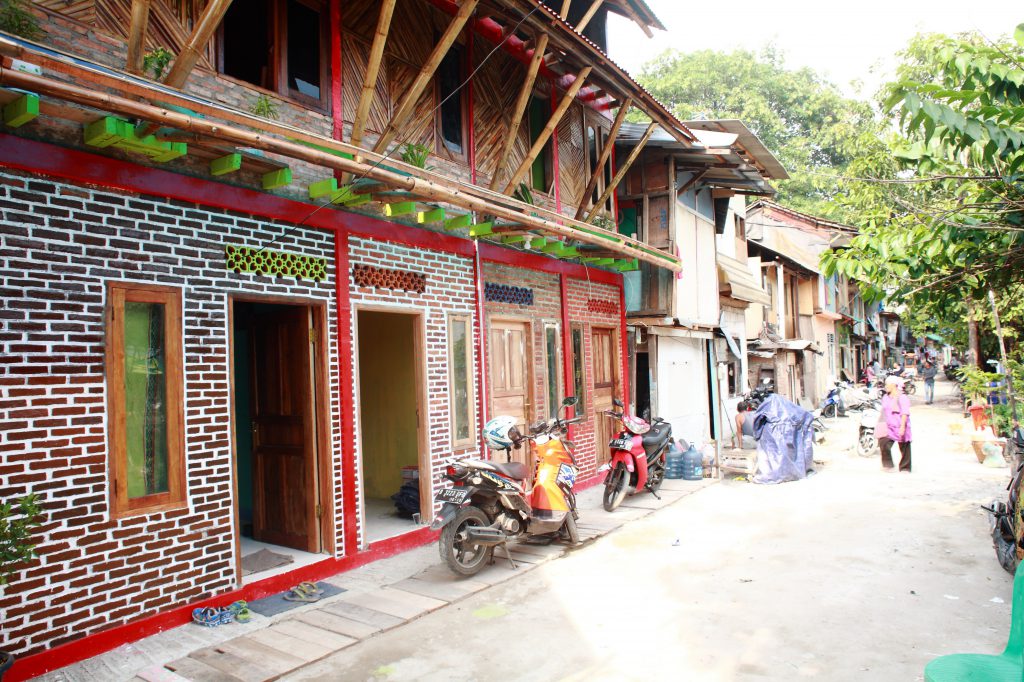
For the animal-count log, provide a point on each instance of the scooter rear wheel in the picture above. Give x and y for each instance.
(656, 475)
(866, 445)
(615, 487)
(462, 557)
(569, 530)
(829, 411)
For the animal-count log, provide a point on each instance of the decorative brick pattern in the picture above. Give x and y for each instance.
(382, 278)
(449, 287)
(265, 262)
(504, 293)
(59, 245)
(596, 305)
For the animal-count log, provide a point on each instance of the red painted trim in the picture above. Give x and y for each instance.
(554, 153)
(470, 108)
(625, 349)
(336, 70)
(563, 282)
(72, 652)
(79, 166)
(615, 195)
(346, 374)
(524, 259)
(483, 399)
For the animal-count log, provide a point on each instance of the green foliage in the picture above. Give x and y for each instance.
(156, 62)
(604, 222)
(17, 521)
(803, 119)
(524, 193)
(16, 17)
(415, 154)
(1002, 418)
(976, 382)
(264, 107)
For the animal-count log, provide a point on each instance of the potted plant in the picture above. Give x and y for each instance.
(18, 520)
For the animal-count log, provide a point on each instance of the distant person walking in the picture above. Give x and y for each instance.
(896, 415)
(928, 374)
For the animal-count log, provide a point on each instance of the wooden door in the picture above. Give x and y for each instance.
(603, 350)
(510, 375)
(284, 499)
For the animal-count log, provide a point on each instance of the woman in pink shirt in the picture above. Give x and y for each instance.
(896, 415)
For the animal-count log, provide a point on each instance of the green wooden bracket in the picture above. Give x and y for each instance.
(538, 243)
(569, 252)
(599, 262)
(21, 110)
(226, 164)
(277, 178)
(400, 208)
(513, 239)
(553, 247)
(464, 220)
(114, 132)
(480, 230)
(323, 187)
(346, 196)
(626, 265)
(433, 216)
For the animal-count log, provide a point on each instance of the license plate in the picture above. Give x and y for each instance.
(621, 444)
(453, 495)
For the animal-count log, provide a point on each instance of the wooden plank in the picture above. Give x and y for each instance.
(519, 109)
(137, 35)
(362, 614)
(270, 658)
(248, 670)
(588, 15)
(338, 624)
(545, 134)
(307, 651)
(314, 634)
(380, 38)
(448, 591)
(606, 153)
(197, 671)
(407, 105)
(633, 155)
(158, 673)
(396, 603)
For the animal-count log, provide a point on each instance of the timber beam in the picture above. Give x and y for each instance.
(380, 38)
(137, 35)
(606, 153)
(519, 110)
(610, 189)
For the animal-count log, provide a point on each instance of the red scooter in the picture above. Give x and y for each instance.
(638, 457)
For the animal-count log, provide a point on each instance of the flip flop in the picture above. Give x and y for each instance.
(299, 594)
(310, 587)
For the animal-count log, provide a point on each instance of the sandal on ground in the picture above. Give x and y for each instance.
(300, 593)
(241, 611)
(310, 587)
(211, 616)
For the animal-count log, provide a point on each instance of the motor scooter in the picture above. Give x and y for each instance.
(867, 444)
(832, 406)
(488, 504)
(637, 459)
(1006, 524)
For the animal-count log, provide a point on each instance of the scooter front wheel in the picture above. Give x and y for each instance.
(656, 475)
(464, 558)
(829, 411)
(569, 530)
(866, 445)
(615, 487)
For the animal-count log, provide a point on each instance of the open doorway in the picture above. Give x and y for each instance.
(277, 442)
(390, 387)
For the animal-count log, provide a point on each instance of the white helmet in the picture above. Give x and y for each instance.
(501, 433)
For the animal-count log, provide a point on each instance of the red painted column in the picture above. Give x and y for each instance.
(346, 379)
(570, 389)
(625, 351)
(336, 84)
(481, 368)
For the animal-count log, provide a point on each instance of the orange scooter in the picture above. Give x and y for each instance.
(488, 504)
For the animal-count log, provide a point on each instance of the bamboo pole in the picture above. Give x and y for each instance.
(591, 11)
(519, 109)
(622, 172)
(186, 60)
(606, 153)
(380, 38)
(137, 35)
(407, 104)
(549, 128)
(565, 8)
(501, 207)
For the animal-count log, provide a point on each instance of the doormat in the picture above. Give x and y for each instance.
(276, 603)
(263, 560)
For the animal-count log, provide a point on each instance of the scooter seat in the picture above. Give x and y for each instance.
(516, 470)
(656, 437)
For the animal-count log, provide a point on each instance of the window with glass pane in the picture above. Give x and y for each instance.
(304, 51)
(144, 359)
(449, 75)
(579, 372)
(461, 395)
(552, 346)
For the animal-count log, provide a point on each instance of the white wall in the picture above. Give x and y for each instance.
(683, 387)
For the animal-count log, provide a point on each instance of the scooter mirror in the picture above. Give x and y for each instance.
(569, 401)
(617, 403)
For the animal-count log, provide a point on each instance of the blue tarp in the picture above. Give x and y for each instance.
(785, 441)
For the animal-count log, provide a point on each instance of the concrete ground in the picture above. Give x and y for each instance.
(852, 574)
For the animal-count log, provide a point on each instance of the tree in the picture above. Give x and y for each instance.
(799, 116)
(941, 210)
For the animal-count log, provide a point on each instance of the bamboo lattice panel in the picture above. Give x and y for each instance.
(360, 17)
(354, 55)
(572, 166)
(495, 90)
(420, 127)
(80, 10)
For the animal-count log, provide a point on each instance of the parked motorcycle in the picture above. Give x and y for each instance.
(488, 504)
(1005, 522)
(638, 457)
(760, 393)
(832, 406)
(856, 398)
(867, 444)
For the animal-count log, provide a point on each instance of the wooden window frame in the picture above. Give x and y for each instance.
(581, 405)
(118, 293)
(278, 60)
(440, 148)
(553, 409)
(470, 440)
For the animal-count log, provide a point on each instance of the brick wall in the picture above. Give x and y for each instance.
(59, 245)
(450, 288)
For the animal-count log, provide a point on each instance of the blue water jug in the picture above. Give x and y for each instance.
(693, 465)
(674, 462)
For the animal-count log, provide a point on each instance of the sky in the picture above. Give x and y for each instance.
(843, 41)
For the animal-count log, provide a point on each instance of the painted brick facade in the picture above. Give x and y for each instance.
(451, 288)
(59, 246)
